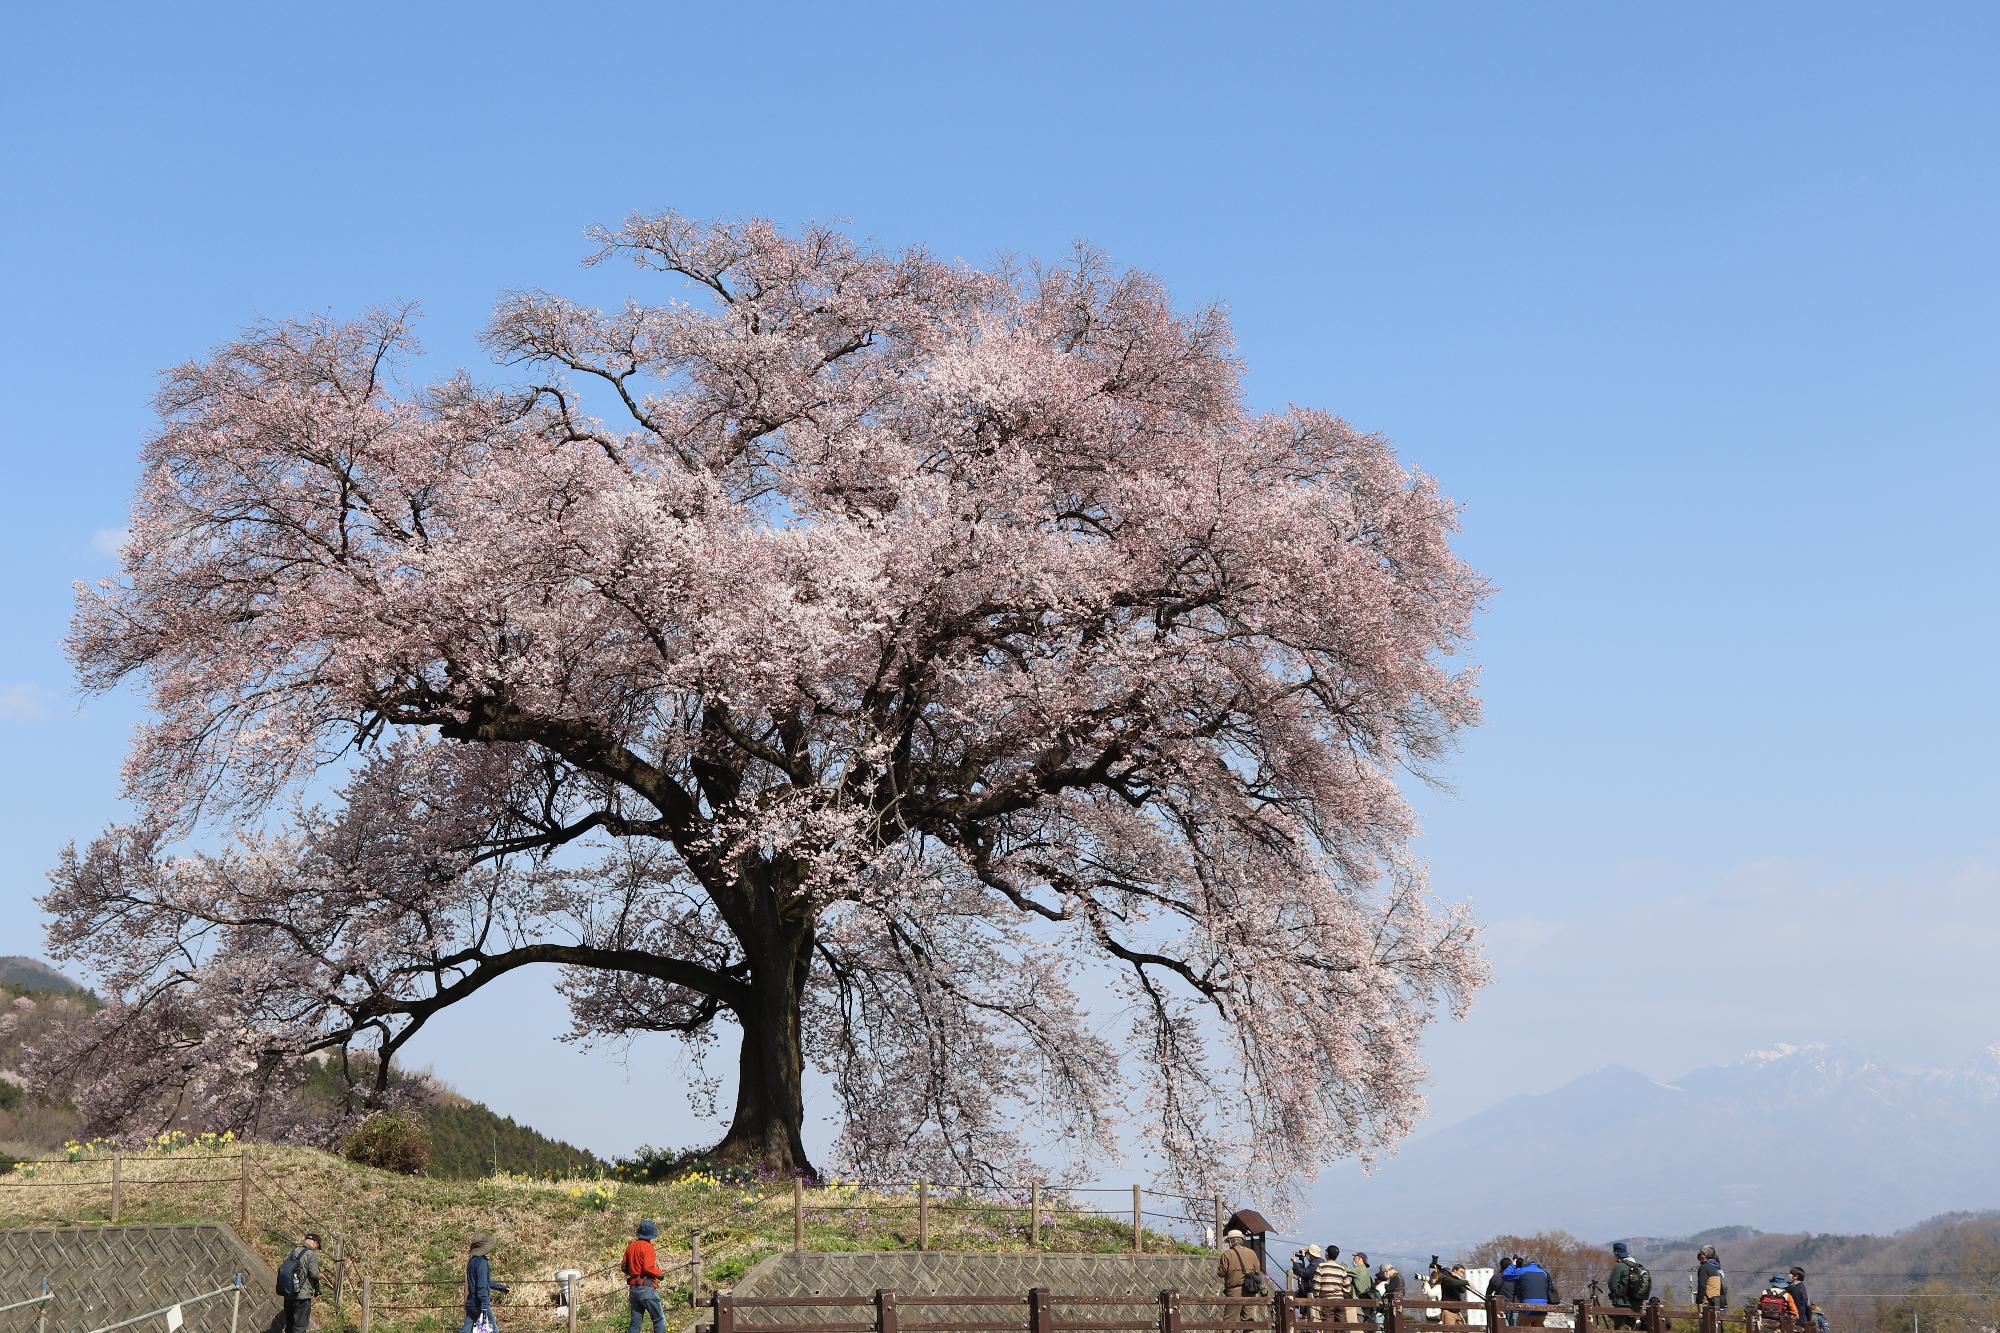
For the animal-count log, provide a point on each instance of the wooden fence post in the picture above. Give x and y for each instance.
(1035, 1215)
(885, 1311)
(1170, 1312)
(243, 1192)
(1041, 1314)
(725, 1312)
(798, 1217)
(339, 1275)
(1655, 1317)
(1582, 1316)
(569, 1306)
(694, 1287)
(367, 1305)
(1138, 1221)
(1493, 1319)
(1392, 1315)
(1218, 1224)
(923, 1215)
(1708, 1317)
(117, 1182)
(1283, 1322)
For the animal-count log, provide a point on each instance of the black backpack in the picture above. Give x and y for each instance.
(288, 1274)
(1253, 1283)
(1638, 1282)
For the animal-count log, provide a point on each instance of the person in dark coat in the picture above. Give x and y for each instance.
(1505, 1284)
(1795, 1292)
(480, 1286)
(1304, 1264)
(1453, 1285)
(1621, 1287)
(1709, 1279)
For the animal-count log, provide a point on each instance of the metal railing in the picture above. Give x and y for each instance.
(42, 1301)
(169, 1312)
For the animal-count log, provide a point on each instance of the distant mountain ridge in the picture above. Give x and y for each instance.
(31, 974)
(1792, 1139)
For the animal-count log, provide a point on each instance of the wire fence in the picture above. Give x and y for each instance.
(271, 1207)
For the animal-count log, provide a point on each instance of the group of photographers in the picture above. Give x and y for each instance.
(1522, 1280)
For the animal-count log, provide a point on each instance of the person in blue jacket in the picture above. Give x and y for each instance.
(1536, 1288)
(480, 1286)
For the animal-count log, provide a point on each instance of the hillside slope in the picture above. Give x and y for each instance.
(409, 1235)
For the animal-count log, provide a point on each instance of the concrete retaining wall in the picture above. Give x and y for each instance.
(101, 1275)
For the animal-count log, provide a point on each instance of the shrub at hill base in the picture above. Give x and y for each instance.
(398, 1141)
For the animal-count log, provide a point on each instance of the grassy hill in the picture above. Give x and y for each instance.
(409, 1234)
(468, 1138)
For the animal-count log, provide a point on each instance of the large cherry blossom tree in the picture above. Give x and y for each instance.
(936, 674)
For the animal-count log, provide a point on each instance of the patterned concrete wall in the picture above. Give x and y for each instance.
(1142, 1276)
(101, 1275)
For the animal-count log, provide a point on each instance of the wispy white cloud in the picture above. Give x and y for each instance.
(109, 540)
(24, 702)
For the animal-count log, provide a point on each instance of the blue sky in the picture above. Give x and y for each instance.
(1692, 308)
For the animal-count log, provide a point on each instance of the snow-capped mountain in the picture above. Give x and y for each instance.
(1792, 1138)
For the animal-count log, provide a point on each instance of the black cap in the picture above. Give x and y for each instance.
(1796, 1271)
(313, 1236)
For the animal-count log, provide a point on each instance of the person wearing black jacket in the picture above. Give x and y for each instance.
(1795, 1292)
(1453, 1285)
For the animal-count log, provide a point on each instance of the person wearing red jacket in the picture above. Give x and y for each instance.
(641, 1266)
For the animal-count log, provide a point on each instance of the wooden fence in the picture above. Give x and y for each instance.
(1042, 1311)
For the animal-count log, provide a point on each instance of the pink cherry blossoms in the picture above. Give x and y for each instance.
(937, 674)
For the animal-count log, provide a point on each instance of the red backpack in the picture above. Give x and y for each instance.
(1773, 1305)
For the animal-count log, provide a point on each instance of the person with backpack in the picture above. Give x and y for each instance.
(1537, 1287)
(641, 1266)
(298, 1283)
(1630, 1286)
(1771, 1302)
(1710, 1282)
(479, 1287)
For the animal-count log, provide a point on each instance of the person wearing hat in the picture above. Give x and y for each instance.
(480, 1286)
(305, 1267)
(1629, 1286)
(641, 1266)
(1239, 1270)
(1795, 1292)
(1304, 1264)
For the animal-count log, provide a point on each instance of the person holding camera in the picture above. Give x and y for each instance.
(1453, 1285)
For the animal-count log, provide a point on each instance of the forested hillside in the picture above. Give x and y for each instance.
(468, 1139)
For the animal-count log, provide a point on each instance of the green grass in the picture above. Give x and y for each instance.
(402, 1229)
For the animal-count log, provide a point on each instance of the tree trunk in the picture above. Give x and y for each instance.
(767, 1130)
